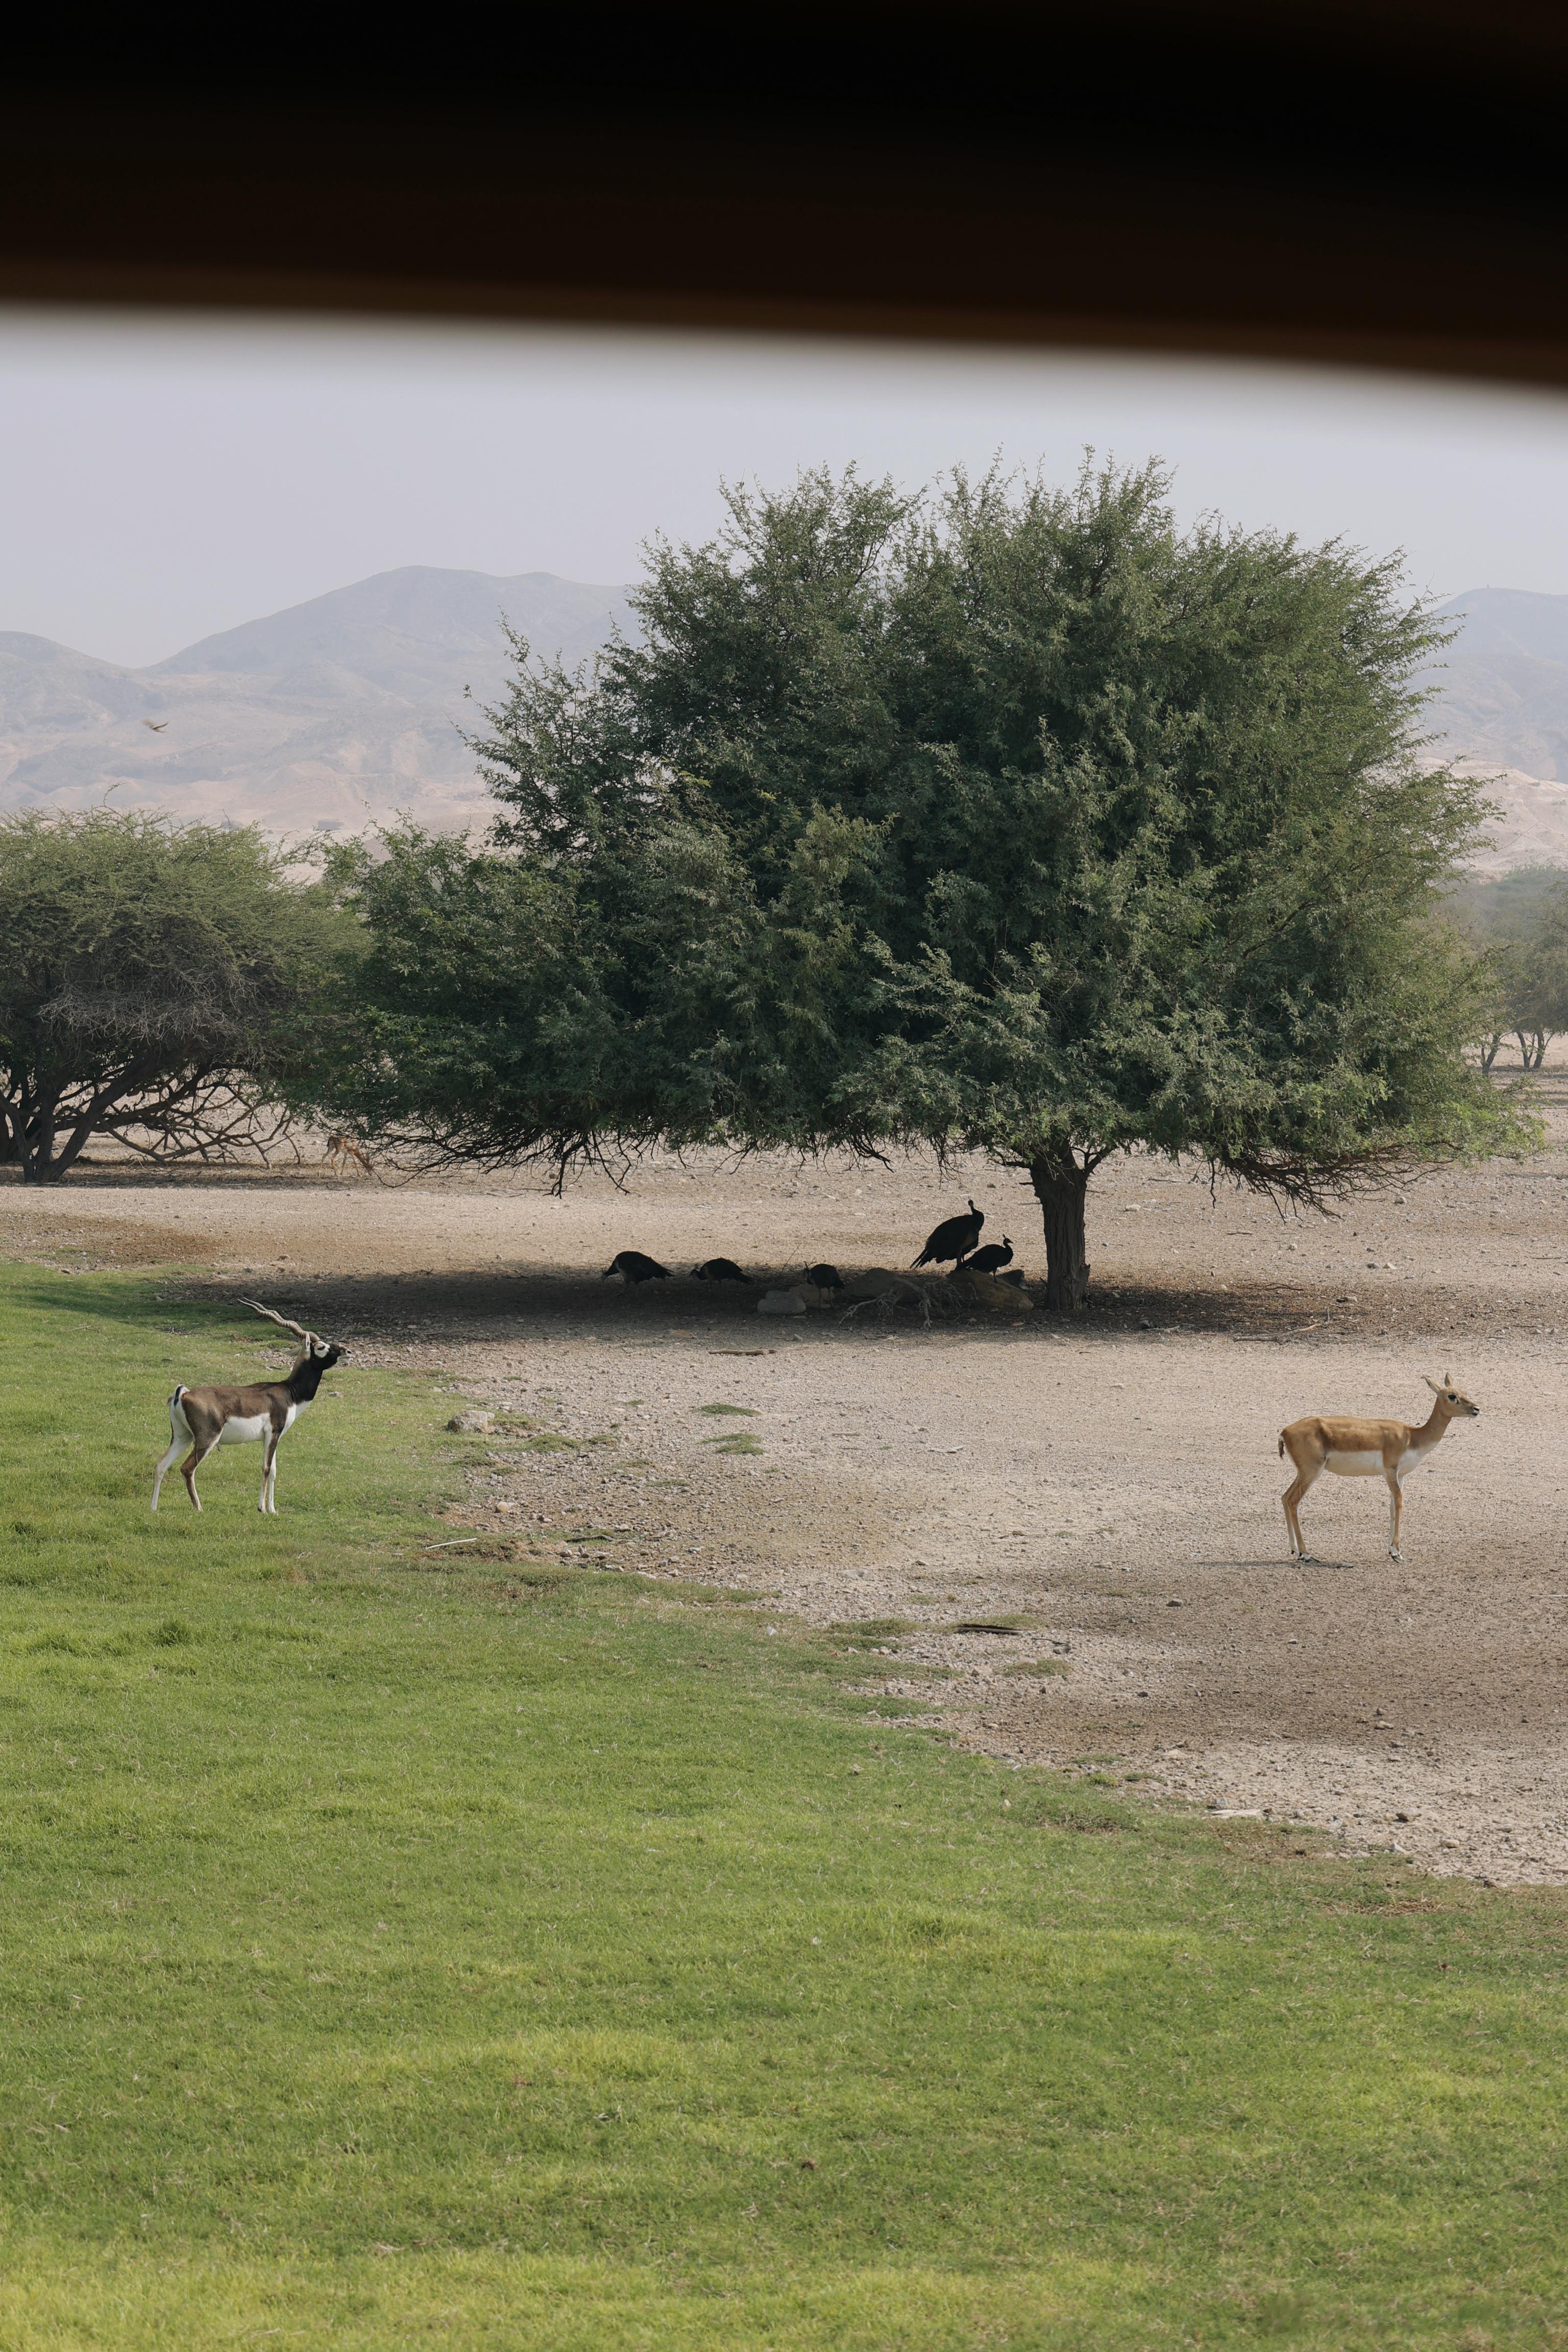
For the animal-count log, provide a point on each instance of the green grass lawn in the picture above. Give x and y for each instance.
(389, 1954)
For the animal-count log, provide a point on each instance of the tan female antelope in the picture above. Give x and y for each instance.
(202, 1418)
(1367, 1449)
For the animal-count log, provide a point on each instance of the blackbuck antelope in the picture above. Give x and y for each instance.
(202, 1418)
(1367, 1449)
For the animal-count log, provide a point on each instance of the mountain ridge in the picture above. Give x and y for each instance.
(398, 629)
(327, 715)
(1502, 685)
(334, 714)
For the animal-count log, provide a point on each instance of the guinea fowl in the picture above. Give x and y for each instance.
(954, 1238)
(719, 1269)
(632, 1266)
(991, 1259)
(827, 1278)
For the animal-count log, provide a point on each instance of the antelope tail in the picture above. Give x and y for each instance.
(1281, 1449)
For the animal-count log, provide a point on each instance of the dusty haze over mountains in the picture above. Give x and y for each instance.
(337, 713)
(334, 714)
(1502, 706)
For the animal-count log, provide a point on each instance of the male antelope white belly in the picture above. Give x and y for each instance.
(205, 1418)
(245, 1430)
(1365, 1449)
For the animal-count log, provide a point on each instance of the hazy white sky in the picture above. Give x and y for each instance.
(162, 479)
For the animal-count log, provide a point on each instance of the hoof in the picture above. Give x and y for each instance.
(1394, 1553)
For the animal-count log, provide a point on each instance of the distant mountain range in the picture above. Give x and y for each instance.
(1502, 706)
(337, 713)
(332, 715)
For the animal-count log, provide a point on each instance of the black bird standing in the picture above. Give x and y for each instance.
(954, 1237)
(827, 1278)
(991, 1259)
(632, 1267)
(719, 1269)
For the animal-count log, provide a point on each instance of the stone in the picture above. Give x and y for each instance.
(781, 1302)
(986, 1290)
(472, 1422)
(874, 1283)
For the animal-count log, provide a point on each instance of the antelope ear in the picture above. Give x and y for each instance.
(1432, 1384)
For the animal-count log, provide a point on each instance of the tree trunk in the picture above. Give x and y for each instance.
(70, 1151)
(38, 1151)
(1061, 1187)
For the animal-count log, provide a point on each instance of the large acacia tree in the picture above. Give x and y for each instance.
(150, 974)
(1019, 820)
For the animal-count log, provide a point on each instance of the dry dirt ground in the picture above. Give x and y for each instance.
(1111, 1487)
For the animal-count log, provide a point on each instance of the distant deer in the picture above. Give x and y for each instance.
(1367, 1449)
(202, 1418)
(343, 1150)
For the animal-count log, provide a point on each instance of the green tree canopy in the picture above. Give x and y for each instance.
(1522, 918)
(148, 974)
(1019, 820)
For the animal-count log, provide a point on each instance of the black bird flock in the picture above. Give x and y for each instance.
(954, 1242)
(633, 1268)
(989, 1260)
(953, 1238)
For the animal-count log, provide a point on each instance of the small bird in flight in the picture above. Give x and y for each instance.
(157, 725)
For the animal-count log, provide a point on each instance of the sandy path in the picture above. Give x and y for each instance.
(1115, 1486)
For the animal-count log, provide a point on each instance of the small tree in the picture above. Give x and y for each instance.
(1023, 823)
(148, 972)
(1528, 936)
